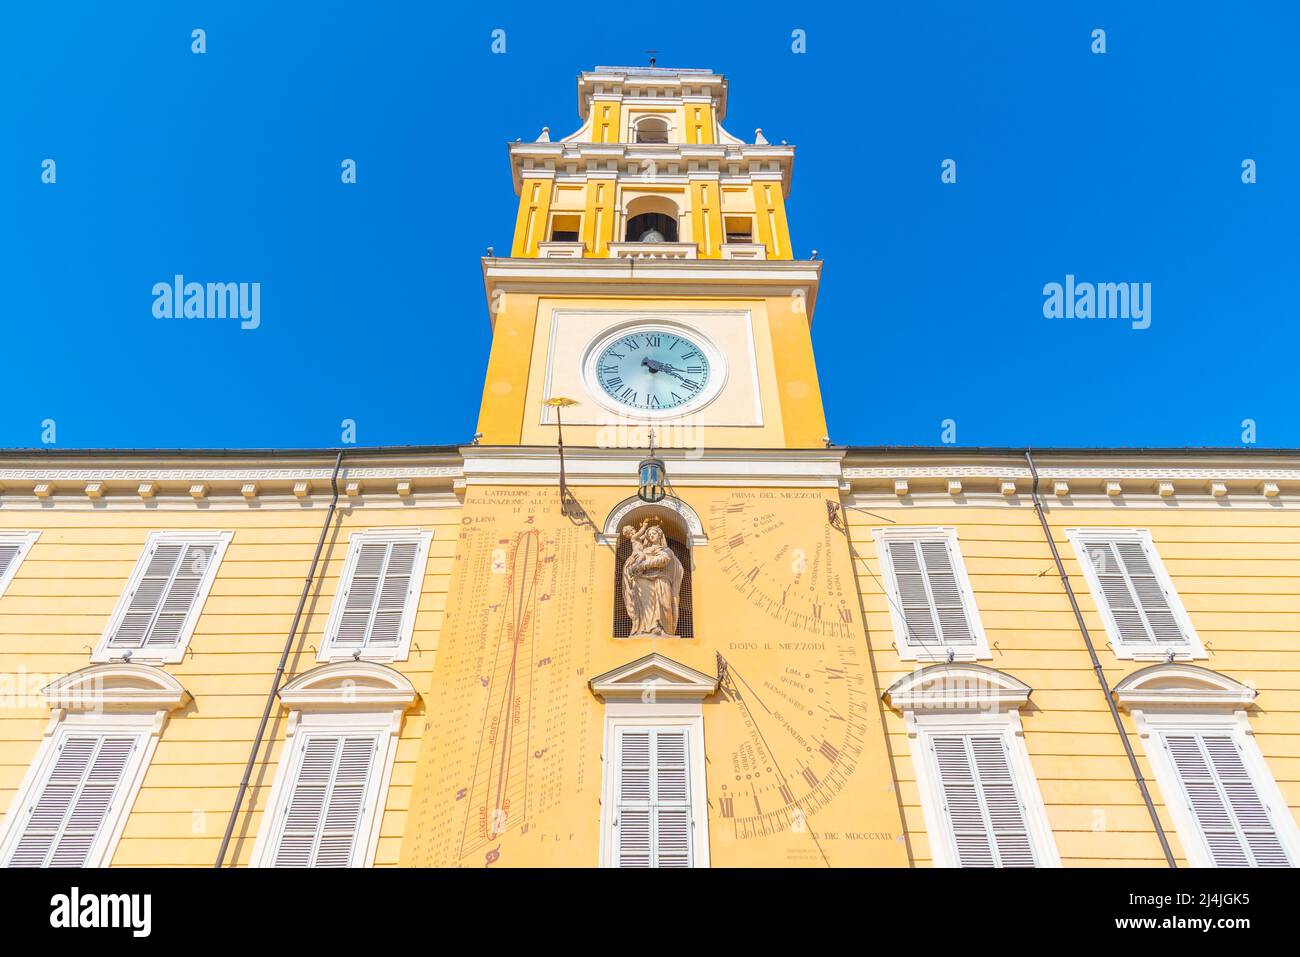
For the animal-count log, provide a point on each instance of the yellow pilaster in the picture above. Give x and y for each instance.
(501, 415)
(802, 414)
(530, 226)
(598, 223)
(773, 231)
(699, 123)
(607, 120)
(706, 218)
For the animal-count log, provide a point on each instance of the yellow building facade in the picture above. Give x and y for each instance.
(433, 656)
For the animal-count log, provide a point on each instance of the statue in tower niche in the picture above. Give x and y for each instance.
(652, 578)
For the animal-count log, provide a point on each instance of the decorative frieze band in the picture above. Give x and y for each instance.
(153, 487)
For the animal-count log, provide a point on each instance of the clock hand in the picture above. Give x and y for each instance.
(654, 365)
(671, 371)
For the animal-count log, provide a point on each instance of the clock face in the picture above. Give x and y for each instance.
(654, 370)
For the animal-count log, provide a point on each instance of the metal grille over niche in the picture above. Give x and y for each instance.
(685, 614)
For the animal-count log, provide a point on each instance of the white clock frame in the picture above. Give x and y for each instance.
(718, 368)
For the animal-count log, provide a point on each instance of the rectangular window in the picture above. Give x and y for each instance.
(1141, 610)
(1234, 822)
(374, 610)
(565, 228)
(739, 229)
(332, 797)
(981, 802)
(983, 810)
(70, 814)
(14, 547)
(930, 598)
(157, 613)
(653, 821)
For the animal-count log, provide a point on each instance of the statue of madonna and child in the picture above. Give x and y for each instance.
(652, 580)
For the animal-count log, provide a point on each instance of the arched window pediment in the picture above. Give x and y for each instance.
(1174, 685)
(673, 509)
(349, 686)
(957, 687)
(116, 686)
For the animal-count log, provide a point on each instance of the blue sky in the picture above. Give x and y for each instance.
(225, 167)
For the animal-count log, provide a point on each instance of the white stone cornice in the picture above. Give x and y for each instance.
(1204, 484)
(540, 465)
(215, 475)
(500, 271)
(267, 483)
(617, 82)
(658, 277)
(546, 160)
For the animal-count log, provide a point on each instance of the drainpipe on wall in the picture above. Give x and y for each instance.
(284, 660)
(1097, 669)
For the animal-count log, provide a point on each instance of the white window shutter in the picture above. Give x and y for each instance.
(73, 802)
(396, 590)
(378, 592)
(981, 801)
(932, 601)
(1225, 802)
(1132, 591)
(653, 825)
(632, 824)
(8, 553)
(672, 799)
(164, 596)
(325, 810)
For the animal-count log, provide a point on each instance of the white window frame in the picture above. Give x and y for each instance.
(353, 697)
(384, 725)
(145, 727)
(654, 692)
(907, 651)
(1131, 651)
(1150, 727)
(923, 726)
(670, 716)
(219, 540)
(401, 651)
(24, 541)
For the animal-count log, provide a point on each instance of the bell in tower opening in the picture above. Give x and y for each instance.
(652, 228)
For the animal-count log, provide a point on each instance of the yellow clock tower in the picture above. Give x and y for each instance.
(652, 293)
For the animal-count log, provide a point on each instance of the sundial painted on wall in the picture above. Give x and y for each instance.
(799, 683)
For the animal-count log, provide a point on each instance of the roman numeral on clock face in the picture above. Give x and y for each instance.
(652, 370)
